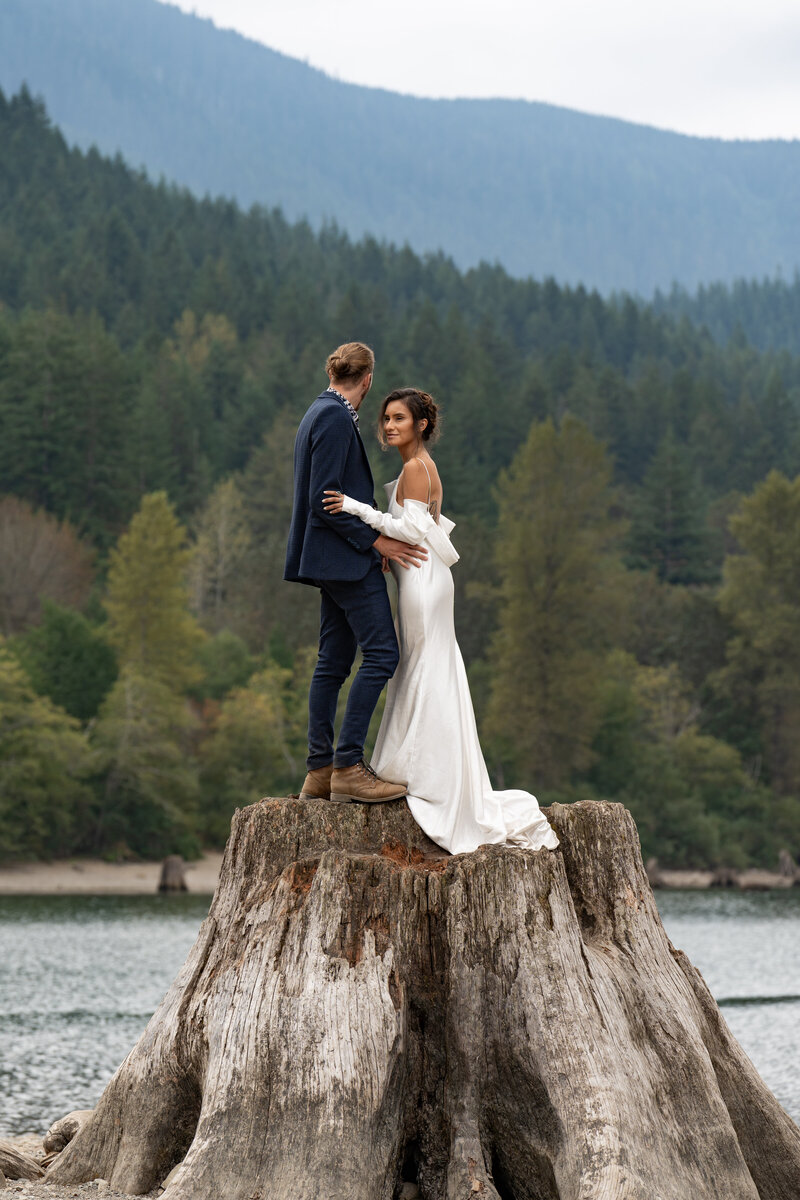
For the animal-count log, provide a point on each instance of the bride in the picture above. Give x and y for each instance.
(428, 734)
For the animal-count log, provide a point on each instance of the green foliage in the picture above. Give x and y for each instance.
(44, 763)
(560, 600)
(668, 530)
(761, 597)
(147, 785)
(257, 744)
(226, 663)
(65, 401)
(694, 803)
(533, 185)
(149, 623)
(180, 393)
(765, 311)
(68, 660)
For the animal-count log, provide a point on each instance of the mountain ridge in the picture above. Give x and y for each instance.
(544, 190)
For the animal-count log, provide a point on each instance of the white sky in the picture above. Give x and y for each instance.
(726, 68)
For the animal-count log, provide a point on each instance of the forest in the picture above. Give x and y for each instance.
(542, 189)
(625, 484)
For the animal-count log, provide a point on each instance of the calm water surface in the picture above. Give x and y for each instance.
(80, 976)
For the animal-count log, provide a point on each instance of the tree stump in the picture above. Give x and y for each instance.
(360, 1008)
(173, 877)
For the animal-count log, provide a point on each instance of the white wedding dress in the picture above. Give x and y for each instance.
(428, 736)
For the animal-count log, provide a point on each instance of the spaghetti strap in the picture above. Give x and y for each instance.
(427, 472)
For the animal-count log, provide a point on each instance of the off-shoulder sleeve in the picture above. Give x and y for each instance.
(412, 526)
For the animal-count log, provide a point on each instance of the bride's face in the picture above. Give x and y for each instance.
(399, 428)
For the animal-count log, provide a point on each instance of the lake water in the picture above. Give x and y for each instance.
(80, 976)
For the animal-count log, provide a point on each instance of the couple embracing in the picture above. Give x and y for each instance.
(427, 748)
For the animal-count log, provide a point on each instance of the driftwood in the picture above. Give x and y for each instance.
(173, 877)
(360, 1009)
(62, 1132)
(14, 1164)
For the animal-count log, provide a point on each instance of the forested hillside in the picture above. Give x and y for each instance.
(543, 190)
(156, 352)
(766, 312)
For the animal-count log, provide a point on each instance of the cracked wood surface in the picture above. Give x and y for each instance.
(513, 1025)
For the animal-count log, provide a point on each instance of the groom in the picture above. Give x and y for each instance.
(341, 556)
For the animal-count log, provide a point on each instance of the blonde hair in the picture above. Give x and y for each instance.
(350, 362)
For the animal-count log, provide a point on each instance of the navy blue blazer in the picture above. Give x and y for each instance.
(329, 453)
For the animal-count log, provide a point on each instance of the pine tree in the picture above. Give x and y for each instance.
(668, 530)
(560, 601)
(149, 622)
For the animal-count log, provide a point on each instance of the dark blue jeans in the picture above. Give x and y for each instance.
(353, 614)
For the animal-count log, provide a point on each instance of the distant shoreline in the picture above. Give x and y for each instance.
(94, 877)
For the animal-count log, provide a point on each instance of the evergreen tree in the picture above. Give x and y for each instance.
(667, 530)
(560, 601)
(149, 623)
(267, 602)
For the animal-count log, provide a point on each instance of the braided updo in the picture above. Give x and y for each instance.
(422, 407)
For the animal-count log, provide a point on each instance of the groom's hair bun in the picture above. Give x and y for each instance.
(422, 407)
(349, 362)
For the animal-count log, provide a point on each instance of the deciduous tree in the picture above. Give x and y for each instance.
(149, 622)
(44, 765)
(761, 597)
(40, 558)
(68, 660)
(147, 778)
(223, 541)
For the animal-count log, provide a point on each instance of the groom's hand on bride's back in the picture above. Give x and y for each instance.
(400, 552)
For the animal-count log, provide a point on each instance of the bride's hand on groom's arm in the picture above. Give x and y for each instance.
(332, 502)
(400, 552)
(406, 553)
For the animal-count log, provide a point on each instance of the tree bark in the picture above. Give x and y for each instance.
(361, 1008)
(173, 876)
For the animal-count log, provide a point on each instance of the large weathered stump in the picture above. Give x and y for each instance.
(503, 1024)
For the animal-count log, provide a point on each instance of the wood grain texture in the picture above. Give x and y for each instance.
(359, 1007)
(14, 1164)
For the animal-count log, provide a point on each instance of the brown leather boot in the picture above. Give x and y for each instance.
(360, 783)
(317, 784)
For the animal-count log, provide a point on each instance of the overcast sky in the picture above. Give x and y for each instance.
(726, 68)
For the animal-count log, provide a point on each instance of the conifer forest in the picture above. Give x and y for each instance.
(624, 477)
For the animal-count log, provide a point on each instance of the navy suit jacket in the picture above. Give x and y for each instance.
(329, 453)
